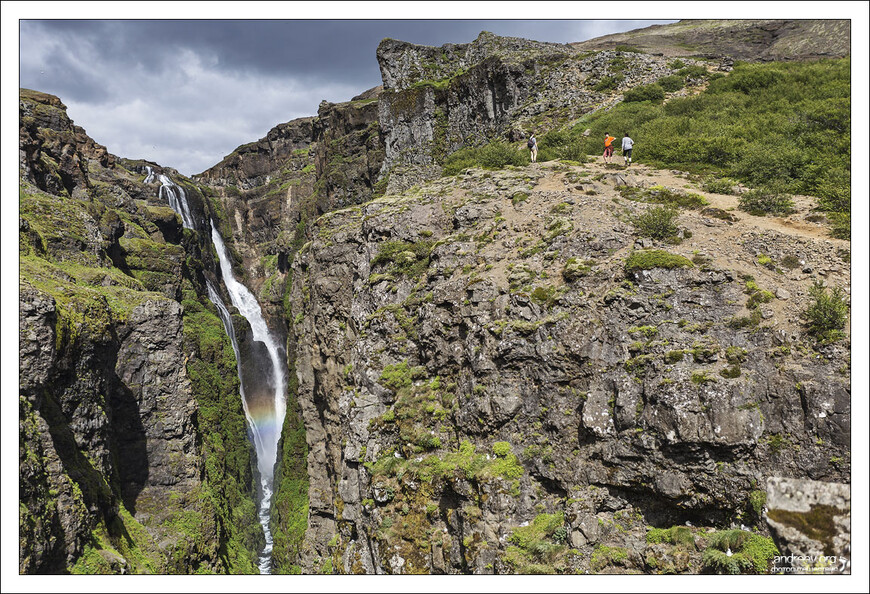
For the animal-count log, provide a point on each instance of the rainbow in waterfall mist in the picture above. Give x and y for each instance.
(262, 374)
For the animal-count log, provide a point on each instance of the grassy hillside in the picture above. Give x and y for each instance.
(781, 127)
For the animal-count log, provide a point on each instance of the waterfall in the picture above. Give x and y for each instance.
(260, 444)
(262, 379)
(227, 320)
(270, 423)
(174, 194)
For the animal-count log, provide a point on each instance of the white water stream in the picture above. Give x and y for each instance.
(265, 422)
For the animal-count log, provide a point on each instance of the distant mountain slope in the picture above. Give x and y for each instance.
(740, 39)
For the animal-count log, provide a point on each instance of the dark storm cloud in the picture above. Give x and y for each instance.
(313, 49)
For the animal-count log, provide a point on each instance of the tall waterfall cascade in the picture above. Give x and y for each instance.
(263, 403)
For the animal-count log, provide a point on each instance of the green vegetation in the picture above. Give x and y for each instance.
(701, 378)
(62, 246)
(439, 84)
(672, 83)
(663, 195)
(785, 123)
(545, 296)
(228, 490)
(404, 258)
(757, 296)
(657, 222)
(439, 466)
(495, 155)
(735, 354)
(776, 441)
(538, 547)
(401, 376)
(575, 269)
(289, 514)
(826, 315)
(604, 556)
(648, 331)
(770, 199)
(519, 198)
(652, 93)
(757, 500)
(559, 144)
(89, 301)
(693, 71)
(608, 83)
(649, 259)
(419, 409)
(672, 357)
(750, 553)
(675, 535)
(123, 538)
(501, 449)
(716, 185)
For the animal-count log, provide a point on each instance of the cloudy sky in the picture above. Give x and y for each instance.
(185, 93)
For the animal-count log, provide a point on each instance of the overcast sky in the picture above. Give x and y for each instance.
(186, 93)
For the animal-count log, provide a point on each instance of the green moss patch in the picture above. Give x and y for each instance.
(675, 535)
(404, 258)
(749, 553)
(228, 491)
(604, 556)
(650, 259)
(538, 548)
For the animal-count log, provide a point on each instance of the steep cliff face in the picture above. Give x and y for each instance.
(495, 356)
(124, 465)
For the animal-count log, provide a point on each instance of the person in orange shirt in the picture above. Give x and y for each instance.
(608, 146)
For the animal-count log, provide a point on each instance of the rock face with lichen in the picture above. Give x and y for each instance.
(496, 351)
(271, 189)
(811, 523)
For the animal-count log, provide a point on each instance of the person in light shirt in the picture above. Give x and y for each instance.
(627, 145)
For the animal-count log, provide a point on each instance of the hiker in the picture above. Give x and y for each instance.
(608, 146)
(627, 144)
(533, 147)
